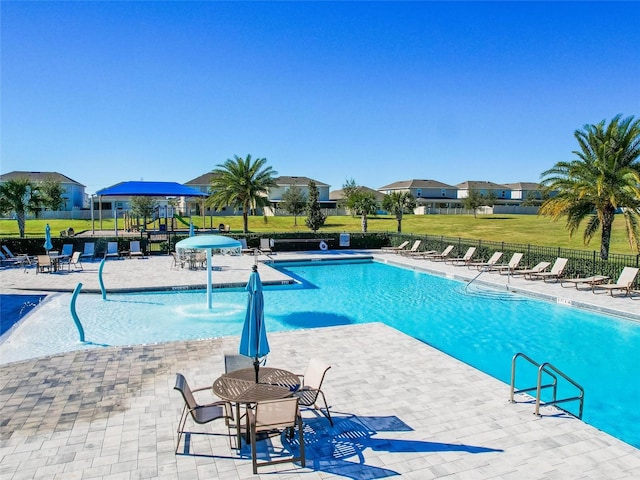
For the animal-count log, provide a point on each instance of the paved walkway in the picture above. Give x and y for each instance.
(401, 407)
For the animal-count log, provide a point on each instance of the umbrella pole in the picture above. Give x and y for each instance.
(256, 367)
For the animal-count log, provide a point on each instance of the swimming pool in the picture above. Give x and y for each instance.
(480, 327)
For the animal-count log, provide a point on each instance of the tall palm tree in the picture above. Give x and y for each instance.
(604, 178)
(241, 183)
(20, 196)
(398, 203)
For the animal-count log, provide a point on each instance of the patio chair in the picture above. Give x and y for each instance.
(589, 281)
(495, 258)
(44, 263)
(310, 390)
(89, 250)
(67, 249)
(265, 245)
(556, 271)
(464, 260)
(436, 256)
(276, 415)
(200, 414)
(134, 249)
(75, 261)
(234, 361)
(624, 282)
(540, 267)
(244, 248)
(413, 250)
(22, 258)
(9, 262)
(112, 250)
(397, 249)
(507, 267)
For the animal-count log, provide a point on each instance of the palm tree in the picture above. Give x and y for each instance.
(604, 178)
(20, 196)
(241, 183)
(359, 201)
(397, 203)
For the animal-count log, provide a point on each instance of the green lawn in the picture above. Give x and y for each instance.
(525, 229)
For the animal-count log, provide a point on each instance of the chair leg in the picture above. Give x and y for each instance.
(183, 420)
(326, 407)
(301, 440)
(254, 459)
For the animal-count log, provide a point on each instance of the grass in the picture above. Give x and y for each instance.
(524, 229)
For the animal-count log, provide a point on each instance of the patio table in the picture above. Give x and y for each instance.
(240, 388)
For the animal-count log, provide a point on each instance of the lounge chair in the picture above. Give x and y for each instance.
(89, 250)
(495, 258)
(10, 262)
(310, 390)
(624, 282)
(22, 258)
(464, 260)
(265, 245)
(508, 267)
(589, 281)
(75, 261)
(435, 256)
(413, 250)
(134, 249)
(540, 267)
(112, 250)
(200, 413)
(556, 271)
(402, 246)
(270, 415)
(244, 248)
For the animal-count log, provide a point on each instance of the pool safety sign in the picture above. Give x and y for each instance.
(345, 239)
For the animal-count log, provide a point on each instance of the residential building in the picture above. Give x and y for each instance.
(74, 192)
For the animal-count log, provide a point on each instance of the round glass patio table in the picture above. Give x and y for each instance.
(240, 388)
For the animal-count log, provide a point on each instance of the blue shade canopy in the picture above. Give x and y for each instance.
(150, 189)
(253, 342)
(209, 241)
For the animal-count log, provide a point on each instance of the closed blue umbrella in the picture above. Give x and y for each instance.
(47, 238)
(253, 342)
(191, 231)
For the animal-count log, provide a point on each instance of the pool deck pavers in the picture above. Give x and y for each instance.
(400, 407)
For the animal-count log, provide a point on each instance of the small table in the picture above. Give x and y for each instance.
(240, 387)
(57, 260)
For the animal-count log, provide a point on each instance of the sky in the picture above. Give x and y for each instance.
(377, 92)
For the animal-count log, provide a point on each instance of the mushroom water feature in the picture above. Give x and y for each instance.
(209, 243)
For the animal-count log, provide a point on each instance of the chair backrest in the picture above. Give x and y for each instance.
(494, 258)
(234, 362)
(559, 265)
(272, 414)
(243, 243)
(415, 245)
(470, 252)
(403, 244)
(264, 244)
(112, 247)
(447, 250)
(67, 249)
(314, 375)
(8, 252)
(541, 266)
(627, 276)
(44, 261)
(515, 259)
(134, 245)
(89, 248)
(75, 258)
(183, 387)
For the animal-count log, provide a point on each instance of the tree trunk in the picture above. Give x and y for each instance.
(364, 223)
(20, 219)
(245, 221)
(607, 222)
(399, 219)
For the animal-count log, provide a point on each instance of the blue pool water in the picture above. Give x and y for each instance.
(480, 327)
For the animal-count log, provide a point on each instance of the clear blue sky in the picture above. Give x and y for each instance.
(106, 92)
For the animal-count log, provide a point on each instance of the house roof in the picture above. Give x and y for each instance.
(150, 189)
(523, 186)
(339, 194)
(479, 185)
(204, 179)
(415, 183)
(298, 181)
(38, 177)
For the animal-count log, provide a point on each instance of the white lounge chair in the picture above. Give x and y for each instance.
(134, 249)
(589, 281)
(508, 267)
(624, 282)
(556, 271)
(413, 250)
(495, 258)
(436, 256)
(464, 260)
(540, 267)
(265, 245)
(402, 246)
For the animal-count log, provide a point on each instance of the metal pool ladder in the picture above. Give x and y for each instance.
(553, 372)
